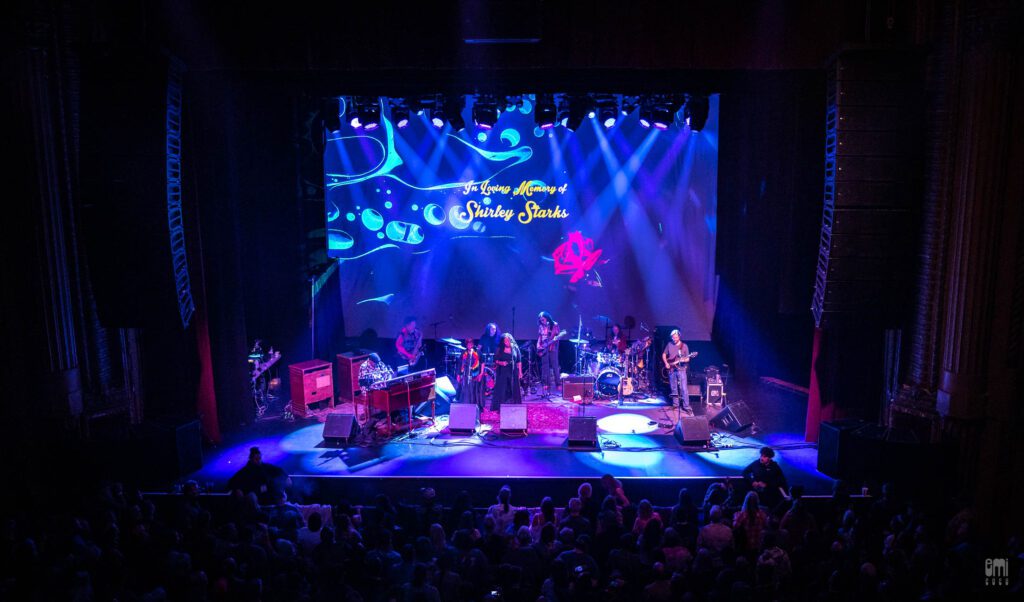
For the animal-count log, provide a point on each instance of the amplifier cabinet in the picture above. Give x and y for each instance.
(348, 364)
(577, 388)
(311, 382)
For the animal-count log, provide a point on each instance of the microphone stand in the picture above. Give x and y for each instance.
(435, 325)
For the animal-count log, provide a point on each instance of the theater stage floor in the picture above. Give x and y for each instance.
(635, 441)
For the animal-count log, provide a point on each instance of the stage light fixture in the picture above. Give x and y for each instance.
(544, 113)
(629, 104)
(607, 116)
(646, 113)
(607, 109)
(399, 113)
(664, 110)
(485, 111)
(661, 117)
(695, 112)
(367, 112)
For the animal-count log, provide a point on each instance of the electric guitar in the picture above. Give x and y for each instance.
(678, 362)
(543, 348)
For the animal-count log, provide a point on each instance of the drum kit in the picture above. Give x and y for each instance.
(453, 356)
(627, 373)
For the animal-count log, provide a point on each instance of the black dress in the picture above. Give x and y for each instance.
(506, 379)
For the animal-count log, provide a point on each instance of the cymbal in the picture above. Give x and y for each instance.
(579, 341)
(451, 341)
(459, 347)
(602, 318)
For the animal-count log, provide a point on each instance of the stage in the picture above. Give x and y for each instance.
(635, 440)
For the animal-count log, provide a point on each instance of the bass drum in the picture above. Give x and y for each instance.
(608, 382)
(488, 380)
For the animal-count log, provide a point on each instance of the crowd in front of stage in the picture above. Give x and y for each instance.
(599, 545)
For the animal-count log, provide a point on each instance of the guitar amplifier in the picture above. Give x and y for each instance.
(347, 365)
(714, 392)
(577, 388)
(311, 382)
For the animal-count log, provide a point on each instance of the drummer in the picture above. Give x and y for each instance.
(488, 344)
(617, 342)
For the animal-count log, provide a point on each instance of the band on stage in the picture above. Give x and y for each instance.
(494, 369)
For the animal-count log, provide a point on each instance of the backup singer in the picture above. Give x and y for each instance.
(471, 376)
(547, 348)
(676, 358)
(508, 369)
(490, 338)
(409, 343)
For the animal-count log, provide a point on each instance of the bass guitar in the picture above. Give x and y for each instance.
(543, 348)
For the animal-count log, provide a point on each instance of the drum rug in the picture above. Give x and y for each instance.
(540, 418)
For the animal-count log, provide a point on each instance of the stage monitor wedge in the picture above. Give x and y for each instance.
(463, 418)
(340, 429)
(734, 417)
(513, 419)
(582, 432)
(693, 430)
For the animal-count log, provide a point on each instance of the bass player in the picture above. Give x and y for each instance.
(548, 336)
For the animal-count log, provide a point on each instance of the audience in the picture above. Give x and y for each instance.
(119, 545)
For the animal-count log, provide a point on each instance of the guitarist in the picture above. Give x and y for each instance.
(547, 349)
(409, 344)
(677, 357)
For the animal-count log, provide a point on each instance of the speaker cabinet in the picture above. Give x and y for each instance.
(734, 417)
(463, 418)
(714, 392)
(513, 418)
(311, 383)
(582, 432)
(347, 379)
(340, 428)
(577, 388)
(172, 447)
(852, 449)
(693, 430)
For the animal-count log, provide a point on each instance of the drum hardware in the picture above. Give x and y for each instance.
(489, 378)
(259, 363)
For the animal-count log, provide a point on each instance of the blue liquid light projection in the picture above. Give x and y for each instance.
(398, 209)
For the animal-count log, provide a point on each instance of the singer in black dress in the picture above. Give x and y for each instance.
(508, 370)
